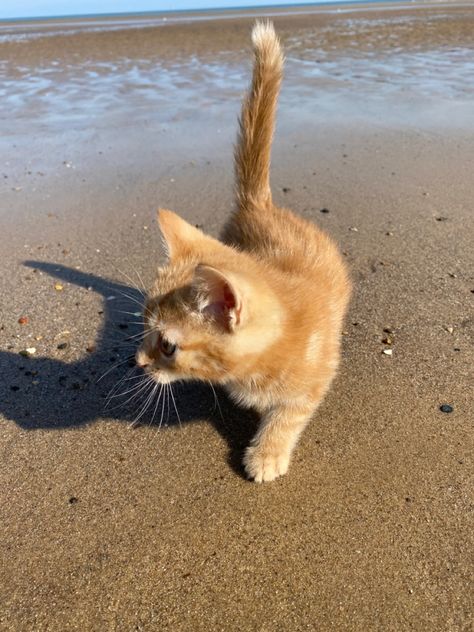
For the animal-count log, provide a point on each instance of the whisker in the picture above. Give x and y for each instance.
(124, 274)
(216, 400)
(118, 348)
(168, 406)
(119, 382)
(115, 366)
(156, 405)
(121, 311)
(142, 334)
(136, 322)
(145, 406)
(130, 390)
(140, 280)
(174, 403)
(163, 407)
(138, 394)
(134, 284)
(146, 383)
(130, 298)
(136, 391)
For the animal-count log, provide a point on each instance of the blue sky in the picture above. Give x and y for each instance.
(33, 8)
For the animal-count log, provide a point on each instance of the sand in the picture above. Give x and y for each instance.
(105, 526)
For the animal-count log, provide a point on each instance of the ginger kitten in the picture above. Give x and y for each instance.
(261, 311)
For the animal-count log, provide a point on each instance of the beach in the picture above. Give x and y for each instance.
(112, 523)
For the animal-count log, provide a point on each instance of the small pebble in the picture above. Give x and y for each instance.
(286, 189)
(23, 320)
(388, 352)
(440, 218)
(388, 330)
(387, 340)
(449, 329)
(446, 408)
(389, 233)
(73, 500)
(90, 349)
(354, 229)
(324, 210)
(62, 345)
(26, 353)
(58, 287)
(14, 388)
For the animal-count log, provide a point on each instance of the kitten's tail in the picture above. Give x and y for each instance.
(257, 121)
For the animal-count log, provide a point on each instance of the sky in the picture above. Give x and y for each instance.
(37, 8)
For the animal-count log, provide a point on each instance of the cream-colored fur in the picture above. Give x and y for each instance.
(261, 311)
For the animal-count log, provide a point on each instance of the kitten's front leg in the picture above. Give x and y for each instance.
(268, 455)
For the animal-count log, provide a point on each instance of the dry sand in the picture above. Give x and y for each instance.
(104, 527)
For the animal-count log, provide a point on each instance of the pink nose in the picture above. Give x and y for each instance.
(142, 360)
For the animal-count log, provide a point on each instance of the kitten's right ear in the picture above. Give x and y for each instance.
(178, 235)
(219, 296)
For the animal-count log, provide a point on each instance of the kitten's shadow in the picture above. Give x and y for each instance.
(47, 393)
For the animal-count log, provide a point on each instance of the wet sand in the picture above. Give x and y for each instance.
(108, 526)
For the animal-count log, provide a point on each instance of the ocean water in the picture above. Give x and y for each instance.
(396, 63)
(80, 19)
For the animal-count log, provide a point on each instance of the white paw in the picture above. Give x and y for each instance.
(263, 466)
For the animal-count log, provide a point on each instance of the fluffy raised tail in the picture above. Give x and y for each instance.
(257, 122)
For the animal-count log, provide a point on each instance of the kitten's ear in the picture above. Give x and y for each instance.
(218, 296)
(179, 236)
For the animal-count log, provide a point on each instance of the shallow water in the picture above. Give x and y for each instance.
(406, 66)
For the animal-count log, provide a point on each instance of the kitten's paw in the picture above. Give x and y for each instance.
(263, 466)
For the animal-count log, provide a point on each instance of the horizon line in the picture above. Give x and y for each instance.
(204, 9)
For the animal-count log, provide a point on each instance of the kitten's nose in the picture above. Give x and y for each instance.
(142, 360)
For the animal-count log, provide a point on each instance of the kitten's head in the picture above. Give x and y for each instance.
(205, 312)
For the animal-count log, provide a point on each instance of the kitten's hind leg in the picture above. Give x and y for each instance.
(269, 453)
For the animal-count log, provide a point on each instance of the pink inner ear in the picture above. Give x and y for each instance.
(222, 300)
(229, 298)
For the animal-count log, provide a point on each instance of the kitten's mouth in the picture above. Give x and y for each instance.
(159, 376)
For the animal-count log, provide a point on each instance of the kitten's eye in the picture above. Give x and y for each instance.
(167, 348)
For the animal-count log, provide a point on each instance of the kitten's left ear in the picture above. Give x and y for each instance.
(218, 296)
(178, 234)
